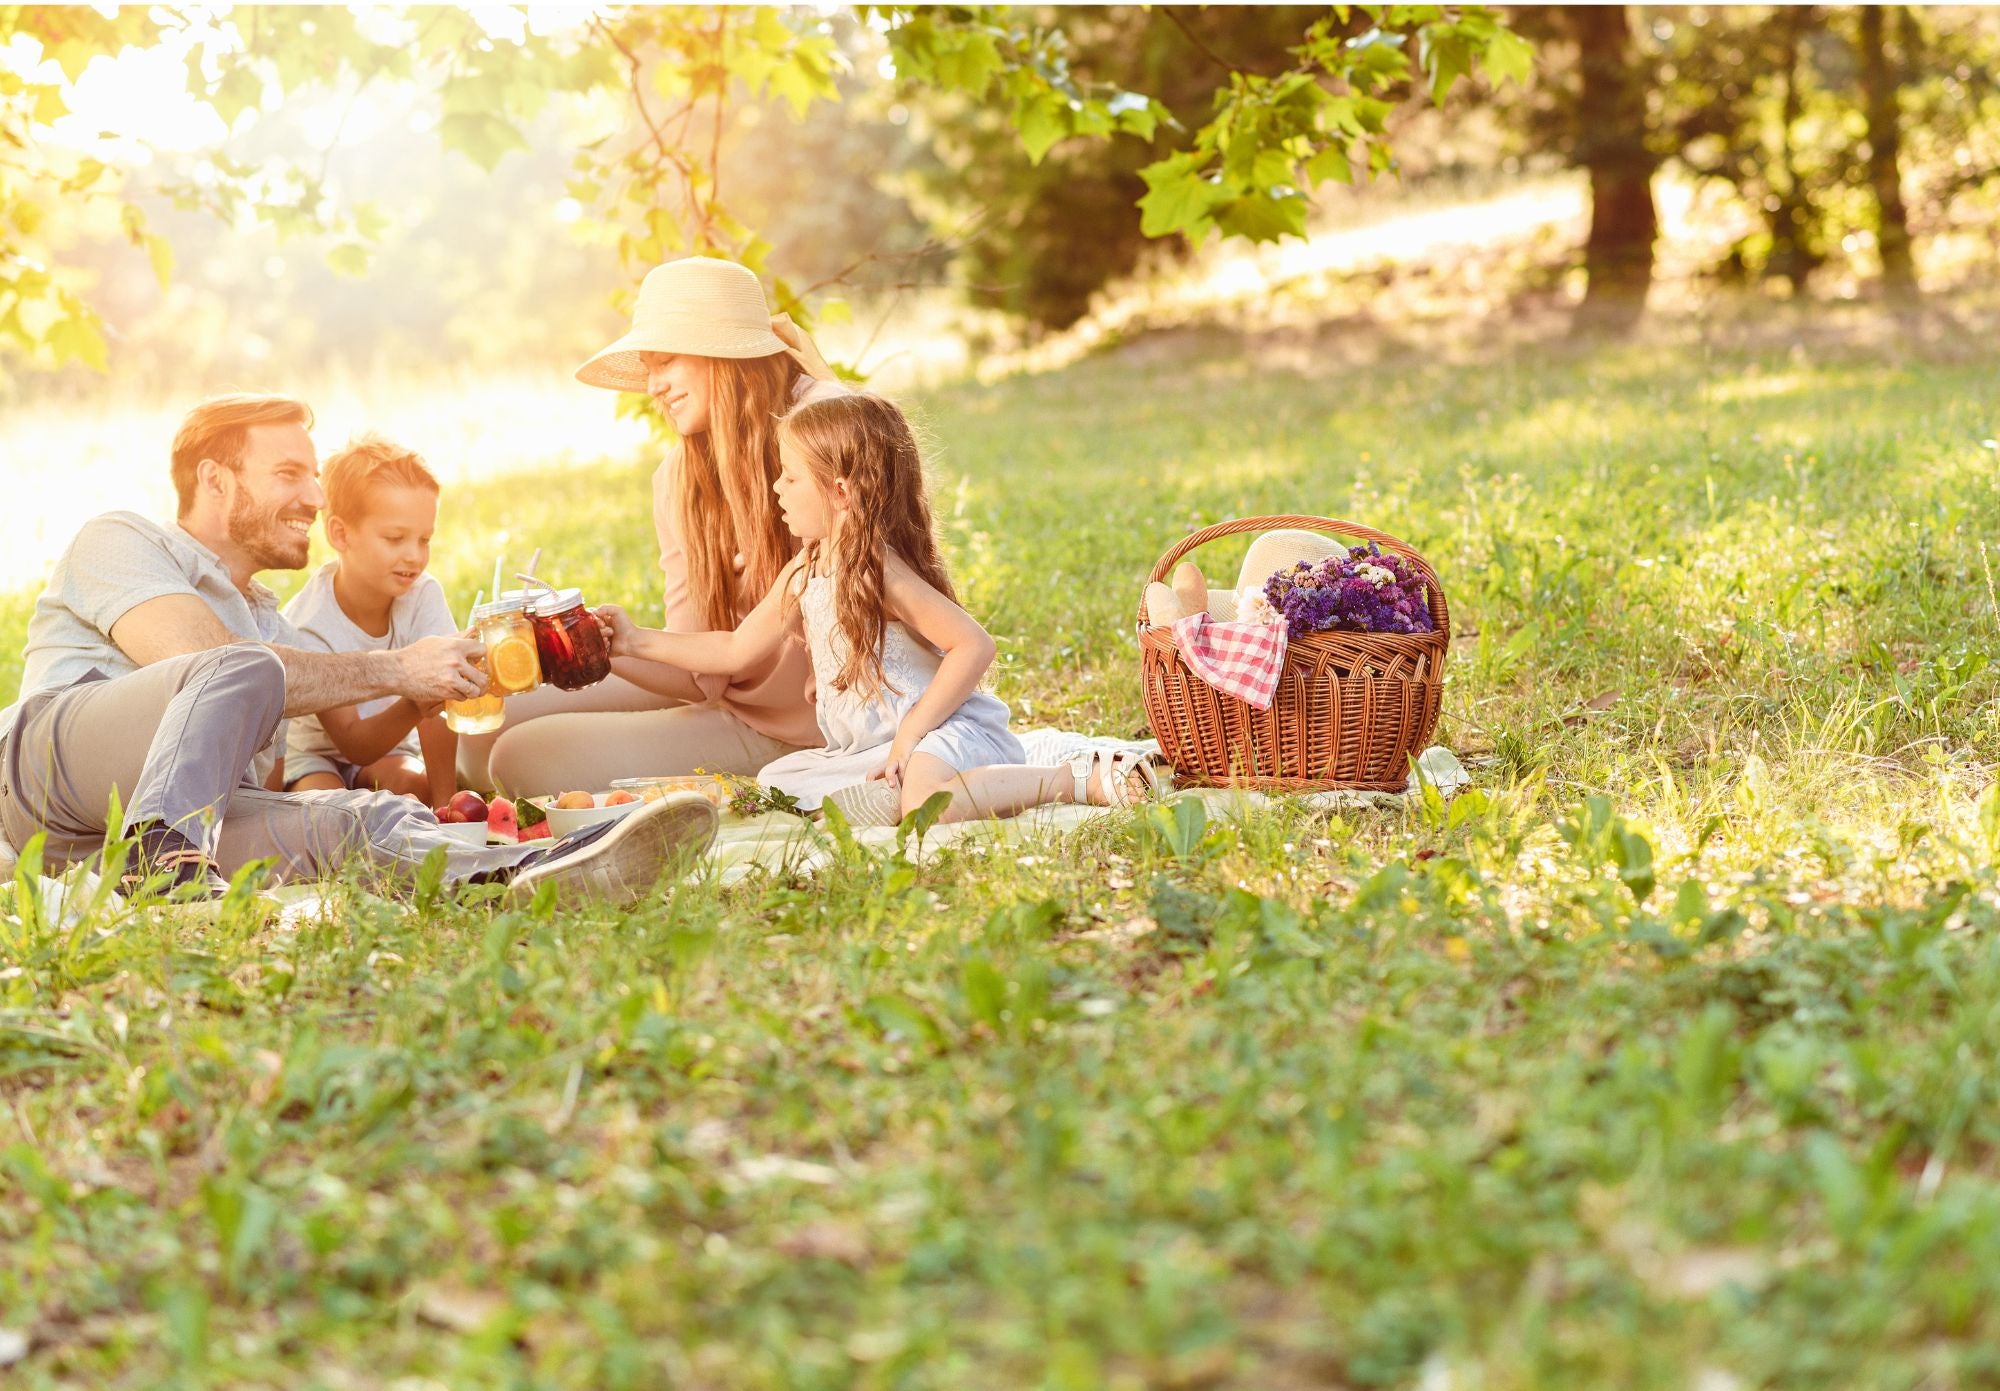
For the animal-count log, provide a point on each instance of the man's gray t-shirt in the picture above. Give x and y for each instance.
(322, 624)
(117, 562)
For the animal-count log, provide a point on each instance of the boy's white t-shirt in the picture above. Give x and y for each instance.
(422, 613)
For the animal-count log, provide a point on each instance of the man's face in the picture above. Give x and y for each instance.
(275, 496)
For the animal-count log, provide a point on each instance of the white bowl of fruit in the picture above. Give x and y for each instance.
(471, 818)
(572, 811)
(463, 817)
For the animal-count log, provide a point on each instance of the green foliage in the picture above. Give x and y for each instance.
(655, 189)
(1200, 145)
(1270, 138)
(43, 312)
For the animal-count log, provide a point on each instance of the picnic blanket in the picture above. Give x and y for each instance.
(777, 842)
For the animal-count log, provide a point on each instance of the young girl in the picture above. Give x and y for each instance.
(896, 662)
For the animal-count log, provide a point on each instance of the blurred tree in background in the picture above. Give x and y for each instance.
(1827, 134)
(1836, 133)
(683, 86)
(1027, 257)
(1039, 151)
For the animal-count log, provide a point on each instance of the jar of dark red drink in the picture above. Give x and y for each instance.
(568, 640)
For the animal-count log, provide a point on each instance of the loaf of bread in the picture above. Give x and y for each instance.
(1163, 606)
(1190, 587)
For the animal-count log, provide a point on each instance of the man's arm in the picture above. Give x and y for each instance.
(427, 671)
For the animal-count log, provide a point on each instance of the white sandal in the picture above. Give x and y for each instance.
(1114, 770)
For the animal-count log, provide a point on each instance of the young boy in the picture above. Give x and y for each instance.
(381, 508)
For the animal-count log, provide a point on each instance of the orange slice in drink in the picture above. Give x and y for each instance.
(515, 668)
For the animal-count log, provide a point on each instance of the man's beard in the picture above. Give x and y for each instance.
(264, 538)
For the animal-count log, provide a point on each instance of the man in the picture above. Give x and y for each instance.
(159, 672)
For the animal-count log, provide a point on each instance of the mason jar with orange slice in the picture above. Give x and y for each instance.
(509, 661)
(509, 634)
(483, 713)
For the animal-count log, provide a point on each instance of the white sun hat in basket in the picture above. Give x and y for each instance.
(1279, 550)
(1271, 552)
(698, 305)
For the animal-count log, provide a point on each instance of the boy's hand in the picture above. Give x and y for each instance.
(617, 627)
(439, 669)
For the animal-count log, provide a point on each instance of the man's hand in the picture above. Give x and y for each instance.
(440, 668)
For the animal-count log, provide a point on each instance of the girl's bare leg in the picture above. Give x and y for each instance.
(1000, 790)
(317, 782)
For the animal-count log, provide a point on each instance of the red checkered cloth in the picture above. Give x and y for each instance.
(1239, 659)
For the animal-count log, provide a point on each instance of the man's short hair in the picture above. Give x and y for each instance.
(359, 472)
(218, 429)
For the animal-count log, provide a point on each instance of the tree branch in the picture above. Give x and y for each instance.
(1173, 13)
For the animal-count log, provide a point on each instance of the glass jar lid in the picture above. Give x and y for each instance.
(554, 601)
(508, 603)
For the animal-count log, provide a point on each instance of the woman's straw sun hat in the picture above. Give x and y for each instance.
(697, 305)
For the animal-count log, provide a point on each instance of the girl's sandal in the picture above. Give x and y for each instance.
(872, 803)
(1124, 777)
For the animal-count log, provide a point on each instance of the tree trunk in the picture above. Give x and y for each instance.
(1790, 257)
(1611, 145)
(1879, 84)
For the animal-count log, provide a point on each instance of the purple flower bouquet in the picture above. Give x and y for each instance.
(1364, 591)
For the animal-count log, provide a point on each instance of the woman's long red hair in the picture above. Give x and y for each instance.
(726, 506)
(866, 442)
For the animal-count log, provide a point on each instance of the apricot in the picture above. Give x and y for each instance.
(576, 801)
(620, 798)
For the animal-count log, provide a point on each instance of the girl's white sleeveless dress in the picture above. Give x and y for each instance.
(860, 729)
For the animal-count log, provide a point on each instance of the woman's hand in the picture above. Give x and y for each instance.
(802, 348)
(617, 627)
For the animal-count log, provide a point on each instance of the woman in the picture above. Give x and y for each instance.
(706, 348)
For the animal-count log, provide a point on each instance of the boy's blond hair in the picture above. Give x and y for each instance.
(364, 468)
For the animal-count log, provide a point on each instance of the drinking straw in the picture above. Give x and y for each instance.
(534, 560)
(496, 575)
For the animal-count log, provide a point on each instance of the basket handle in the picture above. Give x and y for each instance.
(1440, 614)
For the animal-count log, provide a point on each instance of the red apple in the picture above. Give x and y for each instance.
(469, 805)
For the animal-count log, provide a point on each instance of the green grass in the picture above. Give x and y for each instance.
(1663, 1055)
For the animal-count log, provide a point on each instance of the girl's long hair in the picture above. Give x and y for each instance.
(865, 441)
(727, 470)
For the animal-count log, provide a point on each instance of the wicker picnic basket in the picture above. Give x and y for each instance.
(1351, 710)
